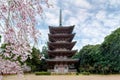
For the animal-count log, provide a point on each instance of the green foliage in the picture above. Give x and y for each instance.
(77, 73)
(110, 50)
(42, 73)
(88, 57)
(76, 56)
(103, 58)
(44, 51)
(85, 73)
(43, 65)
(3, 46)
(34, 62)
(0, 38)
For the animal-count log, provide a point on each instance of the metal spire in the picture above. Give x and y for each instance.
(60, 18)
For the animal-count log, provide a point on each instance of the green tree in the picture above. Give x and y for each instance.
(34, 62)
(43, 65)
(44, 51)
(110, 50)
(103, 58)
(88, 55)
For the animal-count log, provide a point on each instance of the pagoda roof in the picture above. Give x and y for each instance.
(61, 45)
(63, 29)
(66, 37)
(62, 60)
(65, 52)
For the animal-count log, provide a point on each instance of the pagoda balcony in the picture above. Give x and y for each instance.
(61, 49)
(68, 53)
(61, 37)
(67, 45)
(61, 57)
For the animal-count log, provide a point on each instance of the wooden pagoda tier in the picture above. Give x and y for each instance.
(61, 30)
(67, 53)
(61, 45)
(63, 61)
(61, 37)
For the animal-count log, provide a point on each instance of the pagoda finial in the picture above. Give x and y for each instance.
(60, 23)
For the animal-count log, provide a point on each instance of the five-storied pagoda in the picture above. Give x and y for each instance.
(60, 49)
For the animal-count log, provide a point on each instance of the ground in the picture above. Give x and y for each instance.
(65, 77)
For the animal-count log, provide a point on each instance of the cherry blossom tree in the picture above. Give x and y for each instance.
(17, 25)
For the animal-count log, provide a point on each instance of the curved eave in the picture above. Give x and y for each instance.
(49, 51)
(61, 35)
(55, 37)
(58, 53)
(59, 43)
(55, 30)
(67, 45)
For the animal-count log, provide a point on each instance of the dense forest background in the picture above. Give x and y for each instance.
(102, 58)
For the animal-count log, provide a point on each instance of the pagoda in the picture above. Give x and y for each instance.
(60, 49)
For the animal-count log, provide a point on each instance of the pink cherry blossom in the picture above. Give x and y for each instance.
(18, 17)
(3, 8)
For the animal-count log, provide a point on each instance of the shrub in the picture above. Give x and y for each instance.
(42, 73)
(86, 73)
(77, 73)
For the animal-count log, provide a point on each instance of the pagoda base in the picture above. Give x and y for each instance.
(63, 72)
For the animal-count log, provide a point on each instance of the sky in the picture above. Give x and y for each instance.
(93, 19)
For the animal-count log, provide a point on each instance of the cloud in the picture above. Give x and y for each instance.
(82, 4)
(44, 34)
(43, 38)
(93, 19)
(114, 2)
(101, 15)
(52, 19)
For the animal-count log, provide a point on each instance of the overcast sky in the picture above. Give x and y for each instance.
(93, 19)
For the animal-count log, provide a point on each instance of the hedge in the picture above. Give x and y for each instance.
(42, 73)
